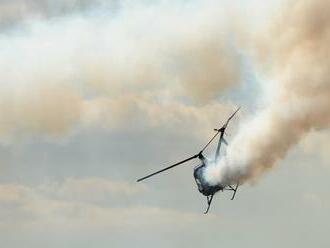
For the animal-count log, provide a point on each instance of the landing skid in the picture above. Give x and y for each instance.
(233, 189)
(209, 200)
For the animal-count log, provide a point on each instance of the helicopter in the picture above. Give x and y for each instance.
(205, 187)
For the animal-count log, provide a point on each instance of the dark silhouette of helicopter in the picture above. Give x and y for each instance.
(204, 186)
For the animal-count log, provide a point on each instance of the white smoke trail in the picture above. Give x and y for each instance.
(299, 97)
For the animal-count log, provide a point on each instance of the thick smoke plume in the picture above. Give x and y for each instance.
(113, 65)
(164, 64)
(298, 54)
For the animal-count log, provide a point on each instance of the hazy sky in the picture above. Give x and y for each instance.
(95, 94)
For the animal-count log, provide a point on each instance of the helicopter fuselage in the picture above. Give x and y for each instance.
(205, 187)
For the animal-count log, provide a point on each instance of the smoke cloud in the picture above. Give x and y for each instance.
(165, 64)
(77, 69)
(45, 110)
(298, 90)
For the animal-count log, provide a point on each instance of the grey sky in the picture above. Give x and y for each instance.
(89, 108)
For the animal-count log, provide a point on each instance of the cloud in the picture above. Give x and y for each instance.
(79, 204)
(61, 74)
(316, 144)
(14, 13)
(157, 112)
(43, 110)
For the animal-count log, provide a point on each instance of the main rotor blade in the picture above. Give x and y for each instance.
(219, 130)
(167, 168)
(231, 117)
(215, 135)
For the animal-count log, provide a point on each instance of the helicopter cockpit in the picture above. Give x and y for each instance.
(203, 186)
